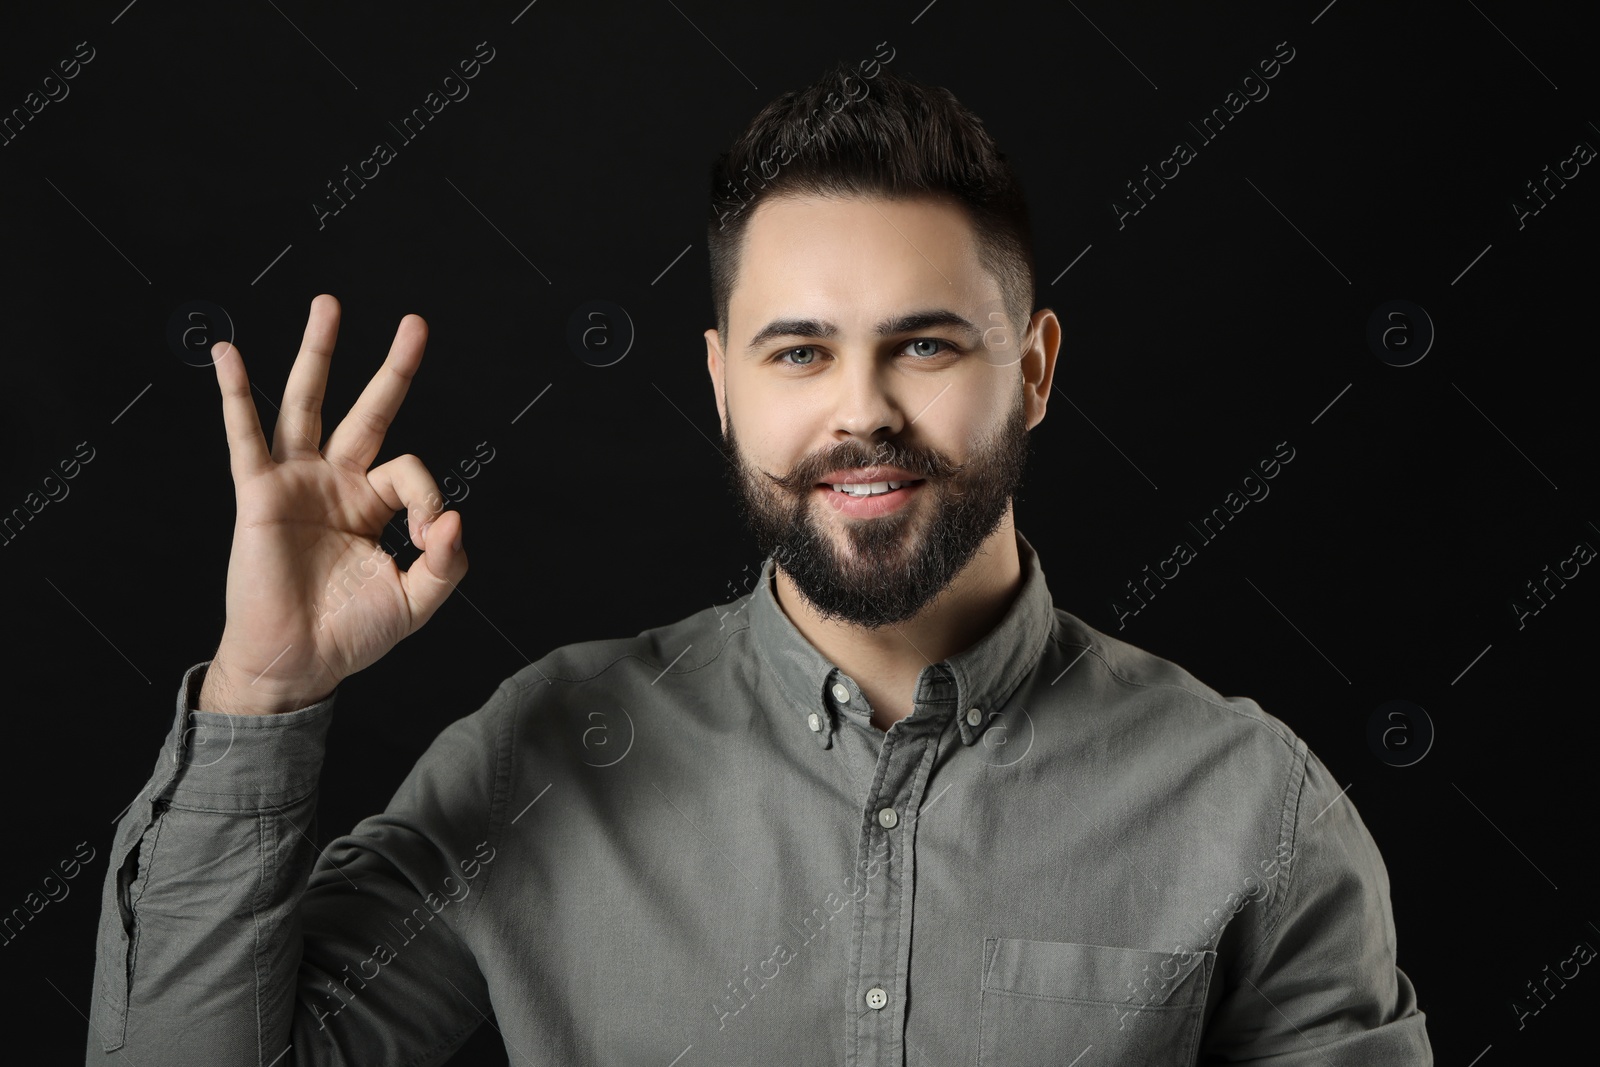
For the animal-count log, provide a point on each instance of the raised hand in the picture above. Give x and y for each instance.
(312, 596)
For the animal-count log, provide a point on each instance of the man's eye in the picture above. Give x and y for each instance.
(947, 346)
(811, 353)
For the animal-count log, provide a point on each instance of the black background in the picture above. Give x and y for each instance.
(1229, 315)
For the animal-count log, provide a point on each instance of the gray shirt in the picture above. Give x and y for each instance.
(693, 847)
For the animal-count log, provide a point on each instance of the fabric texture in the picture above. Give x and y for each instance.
(693, 847)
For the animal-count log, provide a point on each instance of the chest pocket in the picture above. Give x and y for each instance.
(1049, 1002)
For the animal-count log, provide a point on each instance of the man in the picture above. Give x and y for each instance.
(892, 806)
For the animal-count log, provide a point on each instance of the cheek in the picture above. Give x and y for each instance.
(959, 421)
(775, 426)
(751, 404)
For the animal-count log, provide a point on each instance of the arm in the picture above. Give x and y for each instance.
(1318, 980)
(223, 936)
(226, 939)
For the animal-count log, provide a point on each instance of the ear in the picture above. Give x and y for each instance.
(1039, 363)
(714, 367)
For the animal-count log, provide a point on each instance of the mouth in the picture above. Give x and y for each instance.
(867, 500)
(864, 489)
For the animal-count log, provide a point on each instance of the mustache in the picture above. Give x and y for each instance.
(921, 462)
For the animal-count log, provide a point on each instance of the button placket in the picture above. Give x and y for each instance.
(879, 947)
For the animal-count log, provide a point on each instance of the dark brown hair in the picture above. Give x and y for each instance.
(896, 138)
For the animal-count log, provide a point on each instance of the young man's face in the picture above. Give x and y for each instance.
(823, 396)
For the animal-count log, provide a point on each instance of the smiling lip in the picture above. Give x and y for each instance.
(867, 507)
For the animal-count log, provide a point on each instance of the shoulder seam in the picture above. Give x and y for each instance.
(1093, 650)
(520, 686)
(499, 786)
(1289, 821)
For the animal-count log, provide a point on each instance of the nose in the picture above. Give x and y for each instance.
(864, 407)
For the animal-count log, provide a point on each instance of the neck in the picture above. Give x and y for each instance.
(887, 661)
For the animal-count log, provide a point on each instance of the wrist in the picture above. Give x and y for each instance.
(220, 692)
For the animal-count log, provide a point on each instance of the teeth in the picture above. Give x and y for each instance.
(868, 488)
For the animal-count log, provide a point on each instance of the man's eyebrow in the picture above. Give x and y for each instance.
(907, 323)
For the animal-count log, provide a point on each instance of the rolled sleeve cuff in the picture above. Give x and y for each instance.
(213, 761)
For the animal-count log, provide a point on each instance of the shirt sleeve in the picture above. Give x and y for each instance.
(226, 938)
(1318, 980)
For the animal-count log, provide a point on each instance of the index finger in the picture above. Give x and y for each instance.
(359, 435)
(247, 445)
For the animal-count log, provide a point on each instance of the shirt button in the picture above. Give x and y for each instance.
(974, 716)
(815, 722)
(840, 693)
(876, 998)
(887, 819)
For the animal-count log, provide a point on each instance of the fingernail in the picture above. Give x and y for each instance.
(422, 534)
(456, 544)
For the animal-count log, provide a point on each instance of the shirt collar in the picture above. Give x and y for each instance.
(973, 684)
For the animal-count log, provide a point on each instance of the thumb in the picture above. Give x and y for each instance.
(432, 576)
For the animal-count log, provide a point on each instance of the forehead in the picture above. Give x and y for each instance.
(856, 259)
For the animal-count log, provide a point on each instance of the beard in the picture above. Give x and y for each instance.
(885, 569)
